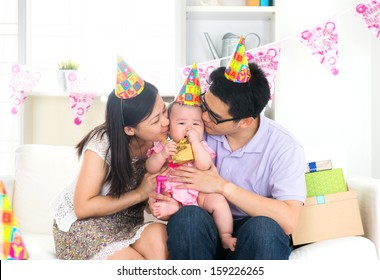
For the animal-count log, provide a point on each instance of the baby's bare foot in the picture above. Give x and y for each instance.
(165, 208)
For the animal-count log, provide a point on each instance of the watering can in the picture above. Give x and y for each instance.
(229, 42)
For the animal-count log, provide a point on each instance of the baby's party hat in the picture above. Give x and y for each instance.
(11, 245)
(191, 89)
(128, 84)
(237, 69)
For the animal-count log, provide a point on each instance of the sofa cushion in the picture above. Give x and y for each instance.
(345, 248)
(41, 172)
(40, 246)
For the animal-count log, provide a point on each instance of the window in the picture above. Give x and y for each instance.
(10, 132)
(41, 33)
(93, 33)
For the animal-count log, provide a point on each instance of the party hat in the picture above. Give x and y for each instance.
(128, 84)
(11, 245)
(237, 70)
(191, 89)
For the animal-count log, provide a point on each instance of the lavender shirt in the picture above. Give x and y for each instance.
(272, 164)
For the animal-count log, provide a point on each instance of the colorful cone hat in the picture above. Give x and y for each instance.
(12, 246)
(191, 89)
(128, 83)
(237, 70)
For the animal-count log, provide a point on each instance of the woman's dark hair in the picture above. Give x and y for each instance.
(134, 111)
(245, 99)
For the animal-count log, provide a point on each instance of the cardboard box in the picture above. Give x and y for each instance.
(329, 216)
(325, 182)
(318, 166)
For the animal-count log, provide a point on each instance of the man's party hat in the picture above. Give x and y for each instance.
(128, 84)
(191, 89)
(237, 70)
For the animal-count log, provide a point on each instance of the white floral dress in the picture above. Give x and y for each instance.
(98, 237)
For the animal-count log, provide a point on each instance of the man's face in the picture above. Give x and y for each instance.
(215, 115)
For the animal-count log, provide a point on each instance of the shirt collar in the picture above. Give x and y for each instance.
(255, 145)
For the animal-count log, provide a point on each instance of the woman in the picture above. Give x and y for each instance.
(101, 214)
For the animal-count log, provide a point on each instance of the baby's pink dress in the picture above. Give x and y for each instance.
(184, 196)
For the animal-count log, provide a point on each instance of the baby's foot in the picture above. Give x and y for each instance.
(228, 242)
(165, 208)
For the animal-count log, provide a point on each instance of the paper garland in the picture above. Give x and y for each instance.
(321, 39)
(81, 94)
(323, 43)
(370, 13)
(267, 57)
(22, 82)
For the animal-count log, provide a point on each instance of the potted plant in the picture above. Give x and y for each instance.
(64, 67)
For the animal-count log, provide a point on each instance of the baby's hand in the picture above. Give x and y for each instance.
(169, 149)
(193, 136)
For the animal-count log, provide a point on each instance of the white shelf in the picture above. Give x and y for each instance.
(230, 13)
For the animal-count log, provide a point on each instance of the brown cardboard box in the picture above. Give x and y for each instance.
(329, 216)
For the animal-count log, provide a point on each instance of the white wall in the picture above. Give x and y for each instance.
(50, 120)
(375, 107)
(330, 114)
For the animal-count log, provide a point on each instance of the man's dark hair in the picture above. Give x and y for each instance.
(244, 99)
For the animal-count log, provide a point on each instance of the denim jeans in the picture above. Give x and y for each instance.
(192, 235)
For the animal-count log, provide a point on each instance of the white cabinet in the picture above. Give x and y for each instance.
(219, 20)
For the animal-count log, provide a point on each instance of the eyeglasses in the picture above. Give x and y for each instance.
(213, 117)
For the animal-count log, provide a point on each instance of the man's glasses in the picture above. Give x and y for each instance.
(213, 117)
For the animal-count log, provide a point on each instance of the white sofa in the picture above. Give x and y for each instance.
(41, 171)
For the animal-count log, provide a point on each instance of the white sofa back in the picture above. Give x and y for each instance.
(41, 171)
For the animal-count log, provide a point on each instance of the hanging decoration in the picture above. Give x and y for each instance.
(370, 13)
(81, 94)
(267, 58)
(323, 43)
(22, 82)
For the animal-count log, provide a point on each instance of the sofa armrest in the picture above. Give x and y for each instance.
(369, 203)
(9, 184)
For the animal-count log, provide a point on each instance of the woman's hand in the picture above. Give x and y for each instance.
(147, 185)
(206, 181)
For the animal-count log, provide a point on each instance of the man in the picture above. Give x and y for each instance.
(259, 169)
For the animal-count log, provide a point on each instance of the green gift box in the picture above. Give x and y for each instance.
(325, 182)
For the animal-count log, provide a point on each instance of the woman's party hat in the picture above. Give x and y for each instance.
(191, 89)
(128, 83)
(237, 70)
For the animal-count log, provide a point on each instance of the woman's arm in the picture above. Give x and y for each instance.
(87, 199)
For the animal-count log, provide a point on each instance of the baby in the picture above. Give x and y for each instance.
(186, 121)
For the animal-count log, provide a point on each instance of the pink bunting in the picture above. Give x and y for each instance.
(81, 94)
(370, 13)
(323, 43)
(22, 82)
(267, 58)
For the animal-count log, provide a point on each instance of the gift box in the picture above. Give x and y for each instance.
(329, 216)
(11, 244)
(325, 182)
(318, 166)
(184, 152)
